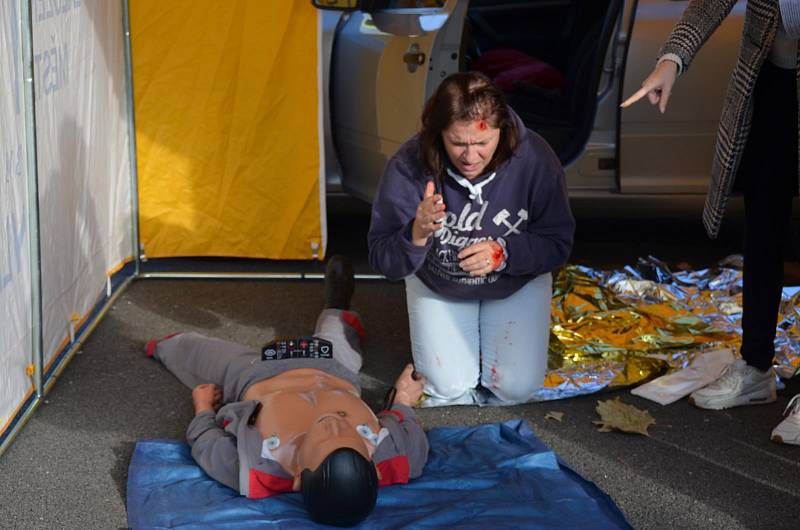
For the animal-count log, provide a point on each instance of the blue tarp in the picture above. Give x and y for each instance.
(490, 476)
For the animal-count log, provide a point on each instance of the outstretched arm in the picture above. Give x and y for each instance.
(700, 19)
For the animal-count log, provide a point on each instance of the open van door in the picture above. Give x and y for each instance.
(385, 62)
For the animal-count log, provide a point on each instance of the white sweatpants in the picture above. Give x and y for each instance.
(500, 343)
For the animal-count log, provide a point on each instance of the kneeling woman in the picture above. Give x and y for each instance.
(473, 214)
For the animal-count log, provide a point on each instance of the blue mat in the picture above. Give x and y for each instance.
(490, 476)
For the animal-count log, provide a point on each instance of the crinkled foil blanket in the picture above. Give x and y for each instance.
(621, 328)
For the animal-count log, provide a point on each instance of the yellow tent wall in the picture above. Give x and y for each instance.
(227, 101)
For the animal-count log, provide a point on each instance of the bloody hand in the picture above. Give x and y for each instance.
(482, 258)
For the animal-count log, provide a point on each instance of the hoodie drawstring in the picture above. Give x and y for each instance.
(475, 190)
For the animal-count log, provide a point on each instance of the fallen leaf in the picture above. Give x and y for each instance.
(553, 415)
(616, 415)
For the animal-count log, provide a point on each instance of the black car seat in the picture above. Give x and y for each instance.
(564, 117)
(556, 114)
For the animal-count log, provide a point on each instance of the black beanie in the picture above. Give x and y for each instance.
(342, 491)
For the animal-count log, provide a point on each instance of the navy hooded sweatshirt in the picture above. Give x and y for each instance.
(523, 206)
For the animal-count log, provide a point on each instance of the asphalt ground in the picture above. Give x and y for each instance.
(698, 469)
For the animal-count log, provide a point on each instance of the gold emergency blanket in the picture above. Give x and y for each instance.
(621, 328)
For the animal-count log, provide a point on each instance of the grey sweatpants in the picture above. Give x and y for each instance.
(196, 359)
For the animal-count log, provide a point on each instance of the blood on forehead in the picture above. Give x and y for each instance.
(481, 125)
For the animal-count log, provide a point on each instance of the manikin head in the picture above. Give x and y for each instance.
(325, 438)
(342, 490)
(338, 481)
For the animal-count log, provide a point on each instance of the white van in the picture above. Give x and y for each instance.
(564, 66)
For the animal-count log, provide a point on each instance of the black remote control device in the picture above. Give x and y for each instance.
(298, 348)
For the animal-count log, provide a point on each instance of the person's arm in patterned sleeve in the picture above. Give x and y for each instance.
(700, 19)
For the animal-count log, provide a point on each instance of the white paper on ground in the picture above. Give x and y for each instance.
(670, 388)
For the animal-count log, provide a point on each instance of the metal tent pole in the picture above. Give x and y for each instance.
(33, 220)
(126, 33)
(247, 276)
(33, 193)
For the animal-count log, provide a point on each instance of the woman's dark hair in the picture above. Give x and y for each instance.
(465, 96)
(342, 491)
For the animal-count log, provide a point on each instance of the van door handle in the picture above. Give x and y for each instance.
(414, 58)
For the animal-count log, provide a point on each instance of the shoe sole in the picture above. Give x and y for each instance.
(728, 403)
(778, 439)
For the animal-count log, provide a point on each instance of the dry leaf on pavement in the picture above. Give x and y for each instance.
(616, 415)
(553, 415)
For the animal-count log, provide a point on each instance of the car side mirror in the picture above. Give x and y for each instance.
(409, 24)
(337, 5)
(421, 17)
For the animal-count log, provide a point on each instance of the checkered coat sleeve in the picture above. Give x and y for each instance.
(698, 22)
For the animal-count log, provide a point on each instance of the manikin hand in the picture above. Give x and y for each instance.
(206, 397)
(430, 215)
(657, 87)
(409, 387)
(481, 258)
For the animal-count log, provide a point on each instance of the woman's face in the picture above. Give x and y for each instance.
(471, 145)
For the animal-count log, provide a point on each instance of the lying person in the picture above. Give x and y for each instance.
(276, 425)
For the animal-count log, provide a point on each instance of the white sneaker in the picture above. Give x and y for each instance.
(788, 431)
(738, 385)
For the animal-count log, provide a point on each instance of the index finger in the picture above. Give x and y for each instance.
(639, 94)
